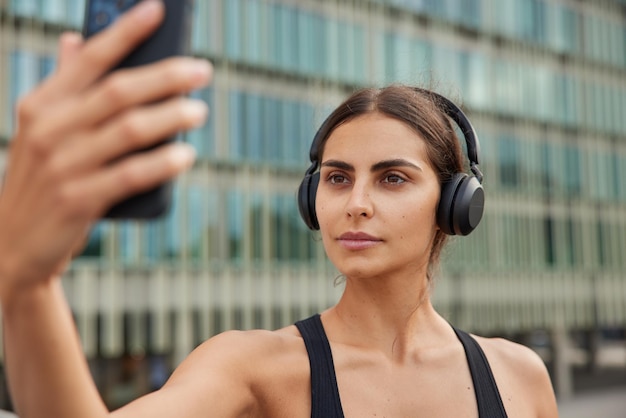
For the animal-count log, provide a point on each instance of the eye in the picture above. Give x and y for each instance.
(393, 179)
(337, 178)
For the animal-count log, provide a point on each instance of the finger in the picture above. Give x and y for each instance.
(135, 130)
(132, 175)
(147, 84)
(116, 93)
(110, 46)
(69, 46)
(39, 99)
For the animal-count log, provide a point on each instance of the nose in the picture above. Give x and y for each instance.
(359, 202)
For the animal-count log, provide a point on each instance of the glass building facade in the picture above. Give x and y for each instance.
(543, 81)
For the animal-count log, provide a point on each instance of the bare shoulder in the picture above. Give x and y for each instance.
(248, 370)
(235, 351)
(513, 357)
(234, 374)
(522, 378)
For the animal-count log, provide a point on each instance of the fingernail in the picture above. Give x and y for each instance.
(183, 153)
(196, 110)
(201, 67)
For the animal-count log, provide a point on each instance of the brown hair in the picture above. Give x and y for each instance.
(421, 111)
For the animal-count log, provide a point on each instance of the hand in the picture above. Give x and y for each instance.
(65, 165)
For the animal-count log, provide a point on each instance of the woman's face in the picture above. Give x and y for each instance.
(377, 198)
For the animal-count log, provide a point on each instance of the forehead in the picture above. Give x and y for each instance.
(376, 135)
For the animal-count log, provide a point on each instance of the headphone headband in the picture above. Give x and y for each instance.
(456, 114)
(446, 105)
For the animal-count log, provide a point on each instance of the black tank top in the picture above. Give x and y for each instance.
(325, 401)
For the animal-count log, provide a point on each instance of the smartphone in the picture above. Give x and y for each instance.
(172, 38)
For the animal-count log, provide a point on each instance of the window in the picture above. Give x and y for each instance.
(96, 241)
(620, 177)
(359, 55)
(476, 86)
(203, 138)
(508, 160)
(306, 131)
(307, 40)
(233, 29)
(601, 182)
(256, 233)
(54, 10)
(330, 28)
(565, 99)
(236, 224)
(573, 171)
(271, 132)
(237, 120)
(200, 221)
(279, 230)
(290, 131)
(254, 39)
(199, 36)
(601, 244)
(287, 38)
(505, 87)
(25, 73)
(253, 127)
(24, 7)
(549, 241)
(547, 176)
(75, 13)
(466, 12)
(447, 67)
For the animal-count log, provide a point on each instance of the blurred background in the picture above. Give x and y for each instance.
(544, 83)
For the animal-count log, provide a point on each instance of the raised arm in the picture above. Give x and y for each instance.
(63, 172)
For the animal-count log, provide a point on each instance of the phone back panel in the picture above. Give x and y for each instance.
(172, 38)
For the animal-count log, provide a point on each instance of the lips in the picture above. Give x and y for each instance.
(358, 241)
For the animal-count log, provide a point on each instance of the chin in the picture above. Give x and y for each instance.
(361, 271)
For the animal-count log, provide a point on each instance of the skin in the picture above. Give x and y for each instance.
(394, 355)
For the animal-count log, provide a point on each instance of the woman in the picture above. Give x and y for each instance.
(392, 354)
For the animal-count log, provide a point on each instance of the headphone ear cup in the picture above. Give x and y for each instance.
(306, 200)
(446, 203)
(469, 204)
(461, 205)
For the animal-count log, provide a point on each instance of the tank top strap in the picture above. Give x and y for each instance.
(487, 395)
(325, 400)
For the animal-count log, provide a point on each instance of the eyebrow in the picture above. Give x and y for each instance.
(381, 165)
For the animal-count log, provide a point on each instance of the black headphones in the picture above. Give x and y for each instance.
(462, 199)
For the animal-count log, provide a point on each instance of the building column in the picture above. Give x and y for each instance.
(561, 364)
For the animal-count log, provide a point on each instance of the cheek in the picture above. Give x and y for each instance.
(320, 210)
(325, 207)
(421, 217)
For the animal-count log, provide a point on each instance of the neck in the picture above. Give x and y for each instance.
(395, 317)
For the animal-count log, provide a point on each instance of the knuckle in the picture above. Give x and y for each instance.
(114, 89)
(27, 107)
(37, 145)
(95, 57)
(54, 170)
(69, 203)
(131, 129)
(130, 177)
